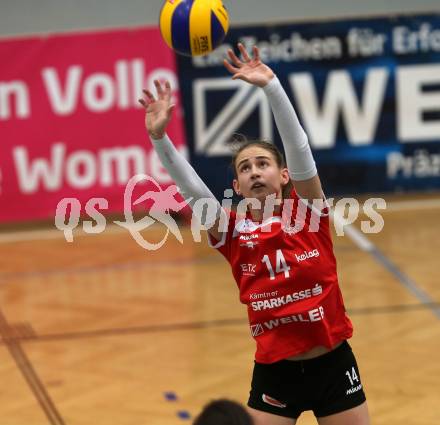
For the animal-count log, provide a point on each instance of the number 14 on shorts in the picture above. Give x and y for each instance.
(352, 376)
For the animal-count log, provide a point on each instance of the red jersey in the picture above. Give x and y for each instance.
(287, 277)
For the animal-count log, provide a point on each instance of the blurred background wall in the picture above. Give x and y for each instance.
(364, 84)
(30, 16)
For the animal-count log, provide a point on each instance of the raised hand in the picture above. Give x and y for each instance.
(251, 70)
(157, 111)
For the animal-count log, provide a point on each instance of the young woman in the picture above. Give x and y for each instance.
(286, 273)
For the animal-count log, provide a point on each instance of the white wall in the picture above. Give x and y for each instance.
(42, 16)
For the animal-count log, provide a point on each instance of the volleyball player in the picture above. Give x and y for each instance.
(286, 274)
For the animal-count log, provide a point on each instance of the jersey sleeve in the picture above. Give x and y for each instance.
(224, 245)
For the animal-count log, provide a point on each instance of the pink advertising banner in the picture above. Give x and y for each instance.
(70, 122)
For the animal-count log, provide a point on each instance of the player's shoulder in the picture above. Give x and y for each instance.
(318, 207)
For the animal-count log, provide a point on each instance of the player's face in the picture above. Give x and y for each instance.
(258, 174)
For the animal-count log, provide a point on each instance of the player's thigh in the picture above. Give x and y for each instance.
(264, 418)
(356, 416)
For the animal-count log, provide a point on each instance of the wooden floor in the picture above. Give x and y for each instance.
(103, 332)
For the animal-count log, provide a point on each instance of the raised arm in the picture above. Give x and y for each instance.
(157, 116)
(299, 158)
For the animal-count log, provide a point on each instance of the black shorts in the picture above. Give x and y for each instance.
(327, 384)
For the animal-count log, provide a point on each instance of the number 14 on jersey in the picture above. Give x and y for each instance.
(280, 265)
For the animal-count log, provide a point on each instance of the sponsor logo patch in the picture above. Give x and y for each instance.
(249, 244)
(273, 402)
(257, 329)
(248, 269)
(306, 255)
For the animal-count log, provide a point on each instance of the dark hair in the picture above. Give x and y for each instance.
(223, 412)
(240, 143)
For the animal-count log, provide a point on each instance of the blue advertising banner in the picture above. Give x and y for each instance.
(367, 92)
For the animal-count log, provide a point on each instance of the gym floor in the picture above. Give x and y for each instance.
(101, 331)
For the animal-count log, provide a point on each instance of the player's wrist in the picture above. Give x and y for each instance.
(156, 135)
(271, 84)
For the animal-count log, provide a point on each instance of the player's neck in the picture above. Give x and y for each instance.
(258, 215)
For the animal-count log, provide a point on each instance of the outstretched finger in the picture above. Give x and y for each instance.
(159, 89)
(230, 68)
(256, 52)
(143, 103)
(234, 59)
(149, 95)
(244, 53)
(239, 76)
(167, 90)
